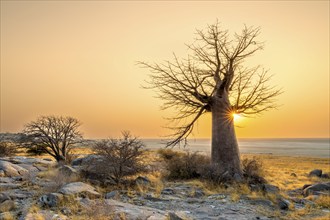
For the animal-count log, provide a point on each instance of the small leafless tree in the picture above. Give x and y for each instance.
(55, 135)
(120, 157)
(213, 78)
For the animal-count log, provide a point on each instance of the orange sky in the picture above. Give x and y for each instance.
(78, 59)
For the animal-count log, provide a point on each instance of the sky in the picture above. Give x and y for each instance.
(78, 58)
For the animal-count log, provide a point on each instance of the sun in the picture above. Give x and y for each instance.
(236, 116)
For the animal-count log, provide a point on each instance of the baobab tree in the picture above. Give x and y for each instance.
(213, 78)
(55, 135)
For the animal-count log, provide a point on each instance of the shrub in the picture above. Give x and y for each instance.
(183, 165)
(211, 173)
(168, 154)
(253, 170)
(7, 149)
(119, 158)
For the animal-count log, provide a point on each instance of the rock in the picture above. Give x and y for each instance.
(51, 199)
(29, 167)
(194, 200)
(2, 173)
(7, 206)
(283, 204)
(11, 169)
(262, 202)
(173, 216)
(295, 192)
(4, 197)
(6, 180)
(66, 211)
(141, 180)
(217, 196)
(167, 191)
(293, 174)
(112, 195)
(325, 176)
(77, 162)
(6, 186)
(317, 189)
(19, 194)
(305, 186)
(135, 212)
(88, 160)
(268, 188)
(69, 171)
(315, 172)
(29, 160)
(80, 189)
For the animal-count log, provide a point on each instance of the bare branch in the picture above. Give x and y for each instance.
(213, 72)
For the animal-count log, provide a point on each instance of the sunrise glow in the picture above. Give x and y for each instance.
(79, 59)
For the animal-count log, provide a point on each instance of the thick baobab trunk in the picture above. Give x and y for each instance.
(225, 153)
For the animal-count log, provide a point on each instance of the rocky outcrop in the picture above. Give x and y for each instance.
(79, 189)
(317, 189)
(11, 170)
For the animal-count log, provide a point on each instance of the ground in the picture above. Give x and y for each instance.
(159, 198)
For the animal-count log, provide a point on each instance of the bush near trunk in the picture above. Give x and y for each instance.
(188, 165)
(183, 165)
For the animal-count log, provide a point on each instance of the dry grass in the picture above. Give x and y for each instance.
(55, 179)
(278, 170)
(323, 201)
(8, 216)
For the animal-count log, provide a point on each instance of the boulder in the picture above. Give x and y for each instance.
(11, 169)
(80, 189)
(135, 212)
(69, 171)
(51, 199)
(283, 204)
(7, 206)
(316, 172)
(317, 189)
(29, 167)
(88, 160)
(4, 197)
